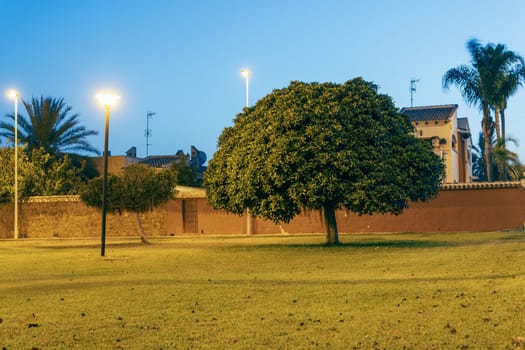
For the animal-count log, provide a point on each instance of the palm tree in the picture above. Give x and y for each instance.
(505, 73)
(505, 163)
(51, 127)
(479, 168)
(494, 76)
(507, 86)
(473, 82)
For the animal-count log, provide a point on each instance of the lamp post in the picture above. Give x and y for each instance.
(246, 74)
(107, 101)
(14, 96)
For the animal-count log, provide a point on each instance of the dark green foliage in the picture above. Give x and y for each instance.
(185, 175)
(39, 174)
(321, 147)
(139, 189)
(49, 126)
(505, 163)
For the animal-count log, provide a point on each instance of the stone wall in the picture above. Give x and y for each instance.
(67, 216)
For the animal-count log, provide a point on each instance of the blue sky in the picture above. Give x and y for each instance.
(182, 59)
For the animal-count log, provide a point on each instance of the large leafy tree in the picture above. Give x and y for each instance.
(321, 147)
(40, 174)
(49, 125)
(139, 189)
(494, 75)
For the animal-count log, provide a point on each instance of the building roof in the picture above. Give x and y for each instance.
(463, 126)
(429, 113)
(159, 161)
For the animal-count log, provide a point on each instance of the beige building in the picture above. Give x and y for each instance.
(449, 135)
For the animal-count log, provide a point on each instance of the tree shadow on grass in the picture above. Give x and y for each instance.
(90, 245)
(399, 244)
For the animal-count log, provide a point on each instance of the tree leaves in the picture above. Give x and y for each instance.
(321, 145)
(49, 126)
(139, 189)
(39, 174)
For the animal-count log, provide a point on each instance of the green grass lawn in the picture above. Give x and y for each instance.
(414, 291)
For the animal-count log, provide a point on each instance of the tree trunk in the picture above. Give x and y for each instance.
(486, 125)
(503, 127)
(497, 123)
(144, 239)
(503, 142)
(332, 236)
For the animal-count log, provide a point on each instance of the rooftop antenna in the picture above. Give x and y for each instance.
(412, 90)
(147, 132)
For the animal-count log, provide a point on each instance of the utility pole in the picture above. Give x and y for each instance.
(149, 115)
(412, 90)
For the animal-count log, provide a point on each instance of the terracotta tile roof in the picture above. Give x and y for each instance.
(429, 113)
(159, 161)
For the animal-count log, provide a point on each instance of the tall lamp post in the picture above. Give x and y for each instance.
(107, 100)
(14, 96)
(246, 74)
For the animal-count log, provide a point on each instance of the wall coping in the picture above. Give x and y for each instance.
(52, 199)
(184, 192)
(481, 185)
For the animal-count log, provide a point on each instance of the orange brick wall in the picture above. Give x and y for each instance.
(453, 210)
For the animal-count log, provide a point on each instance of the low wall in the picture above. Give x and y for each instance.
(67, 216)
(479, 207)
(458, 207)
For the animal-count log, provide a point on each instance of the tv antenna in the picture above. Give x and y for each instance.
(147, 132)
(412, 90)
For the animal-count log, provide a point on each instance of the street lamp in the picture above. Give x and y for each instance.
(246, 74)
(107, 101)
(12, 94)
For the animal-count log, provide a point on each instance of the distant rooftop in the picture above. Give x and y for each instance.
(463, 126)
(429, 113)
(159, 161)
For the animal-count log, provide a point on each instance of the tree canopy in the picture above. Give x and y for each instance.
(49, 126)
(40, 174)
(321, 146)
(139, 189)
(184, 173)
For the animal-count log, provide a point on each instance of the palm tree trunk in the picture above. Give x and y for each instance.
(486, 126)
(332, 236)
(503, 126)
(143, 238)
(496, 117)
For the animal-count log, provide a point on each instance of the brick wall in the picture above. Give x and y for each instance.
(457, 208)
(69, 217)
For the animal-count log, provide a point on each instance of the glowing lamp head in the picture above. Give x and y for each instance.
(245, 73)
(107, 100)
(12, 94)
